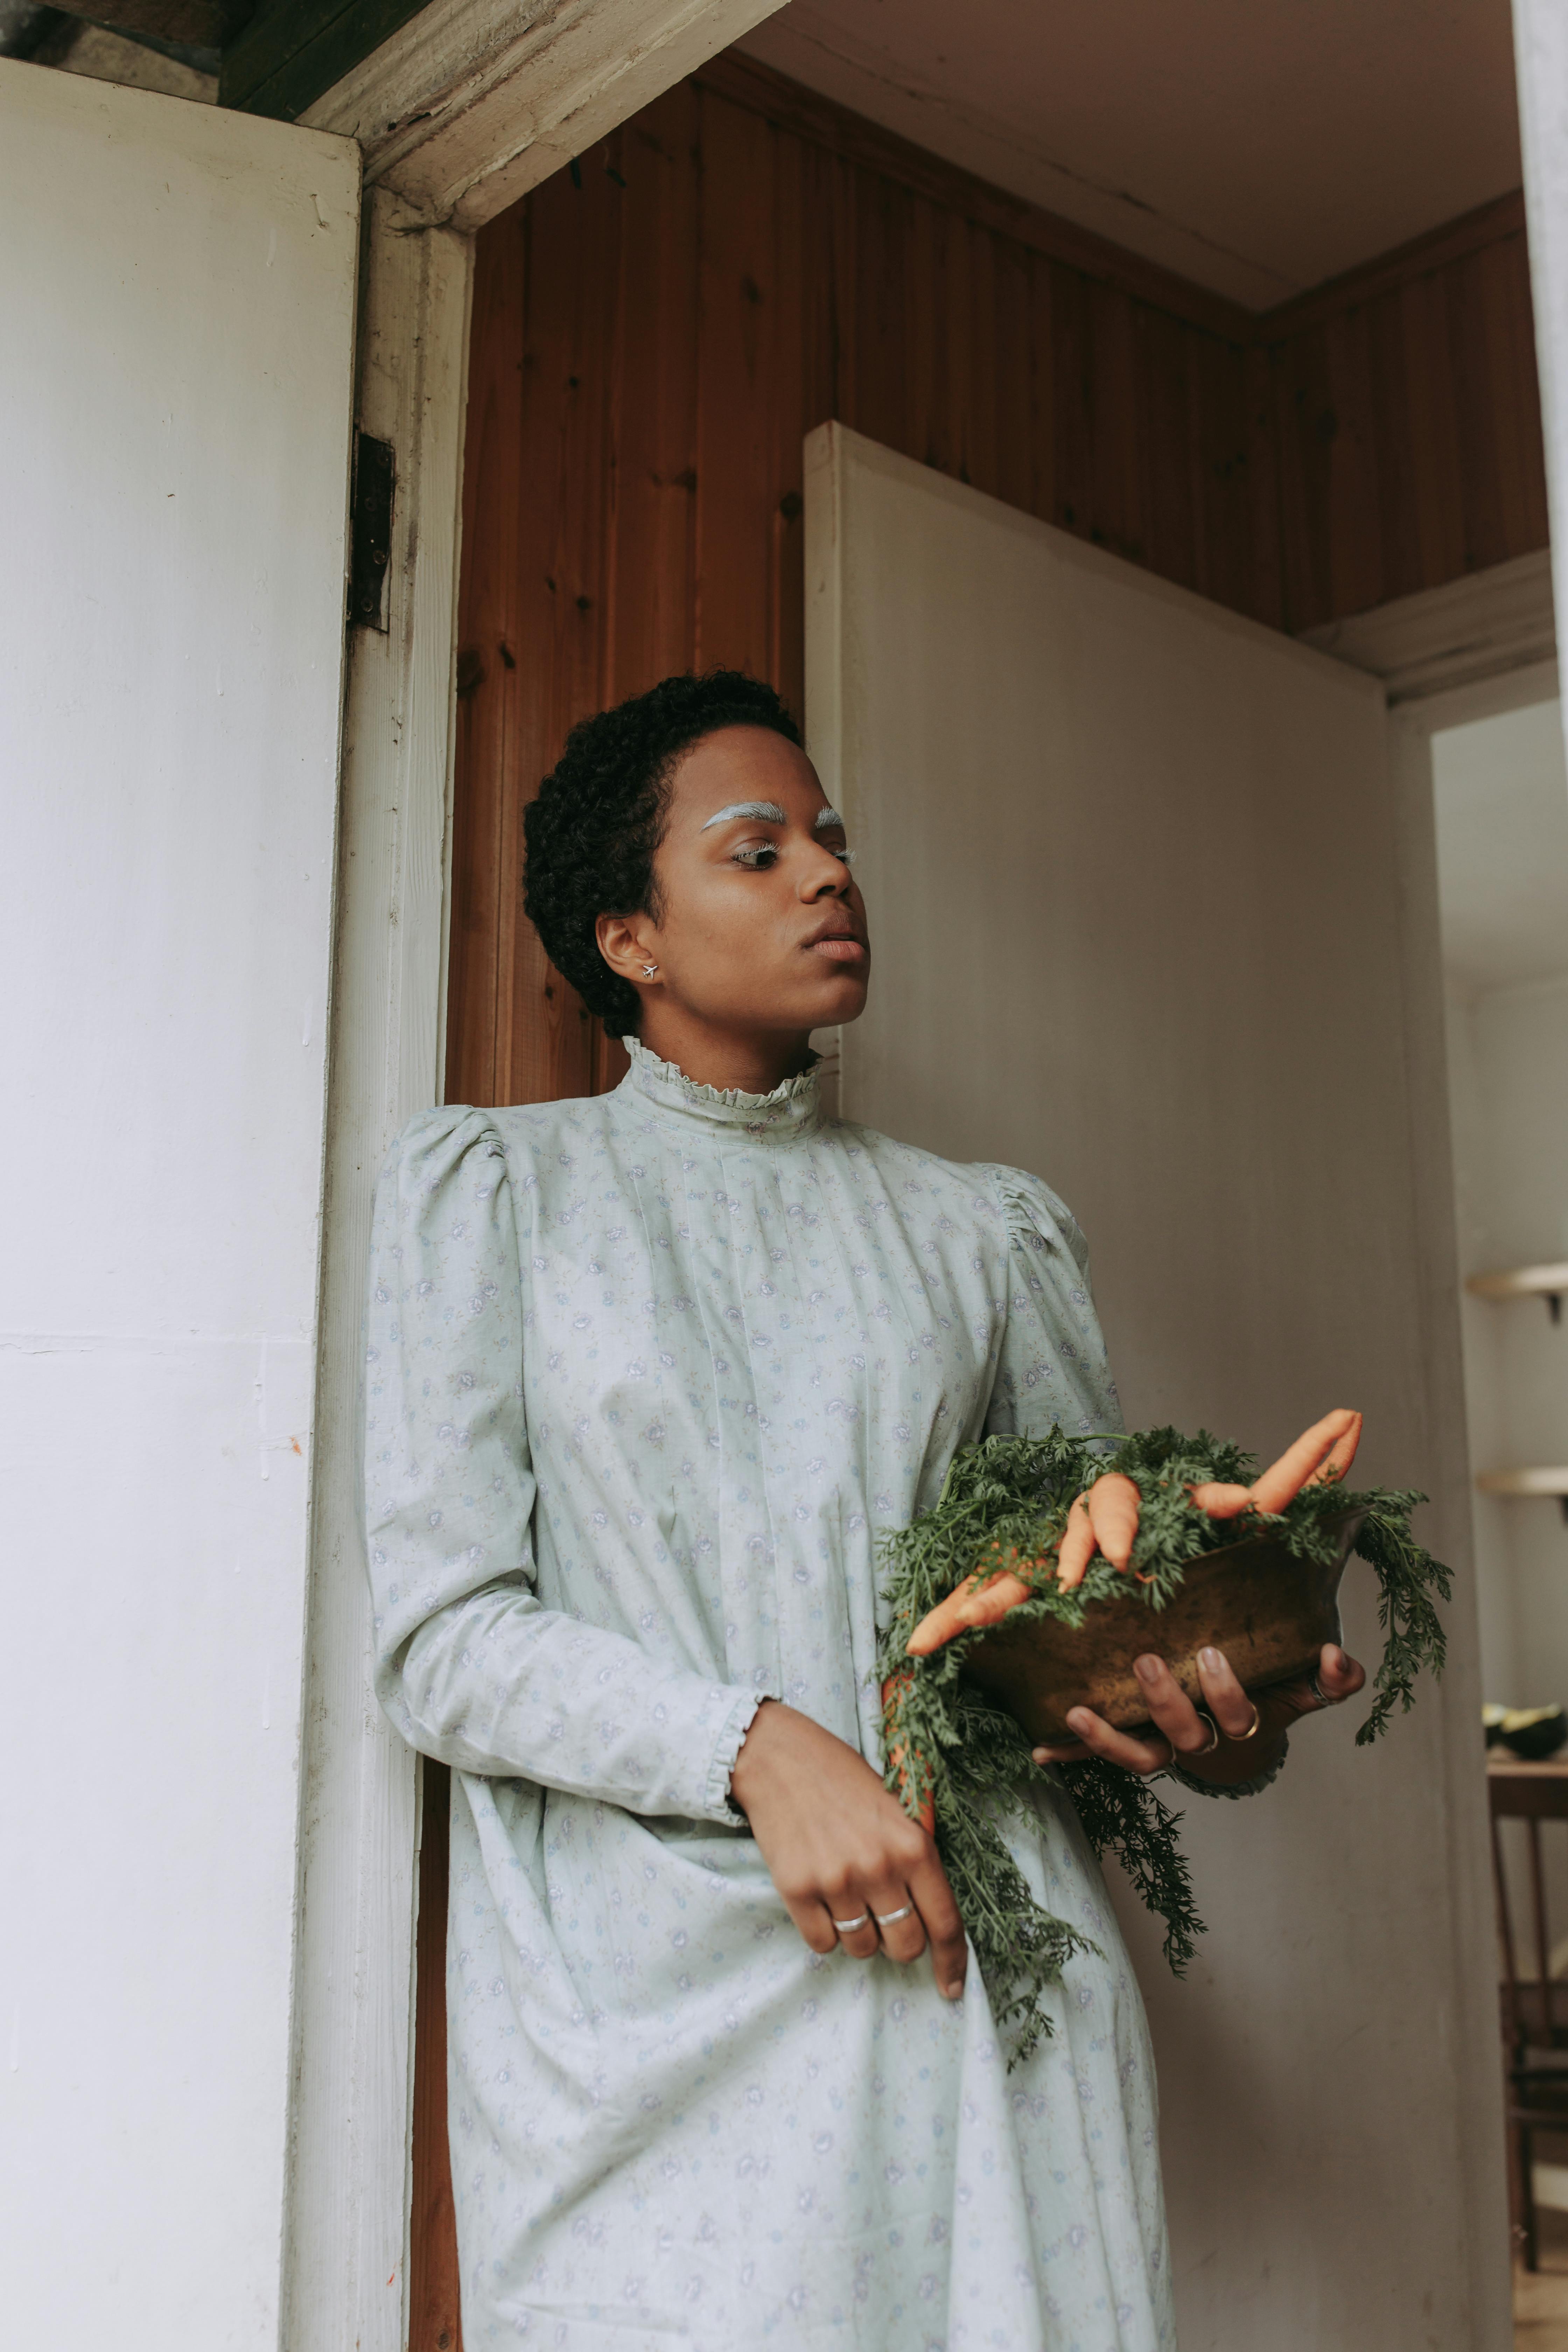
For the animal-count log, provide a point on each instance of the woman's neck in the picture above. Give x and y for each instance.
(746, 1062)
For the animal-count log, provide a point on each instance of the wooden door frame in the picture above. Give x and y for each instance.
(457, 115)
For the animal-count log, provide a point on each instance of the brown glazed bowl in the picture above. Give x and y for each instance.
(1267, 1610)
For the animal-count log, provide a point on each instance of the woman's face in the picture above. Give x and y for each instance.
(760, 925)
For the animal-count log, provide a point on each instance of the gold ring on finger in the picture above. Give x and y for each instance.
(1257, 1719)
(892, 1918)
(848, 1927)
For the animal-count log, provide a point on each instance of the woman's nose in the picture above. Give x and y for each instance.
(827, 875)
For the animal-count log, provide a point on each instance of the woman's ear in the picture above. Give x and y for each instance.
(624, 949)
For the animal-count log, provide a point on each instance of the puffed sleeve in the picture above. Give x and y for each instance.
(469, 1665)
(1052, 1366)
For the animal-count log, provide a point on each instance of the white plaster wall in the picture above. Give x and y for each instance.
(1501, 792)
(1483, 1326)
(1541, 67)
(1509, 1056)
(1137, 883)
(177, 290)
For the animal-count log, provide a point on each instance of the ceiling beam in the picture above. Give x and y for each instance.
(184, 24)
(293, 51)
(473, 102)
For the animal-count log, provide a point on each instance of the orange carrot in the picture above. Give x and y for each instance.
(1076, 1548)
(1113, 1506)
(926, 1815)
(1220, 1501)
(1339, 1460)
(977, 1601)
(1283, 1480)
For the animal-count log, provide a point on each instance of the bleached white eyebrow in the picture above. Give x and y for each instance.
(825, 819)
(764, 812)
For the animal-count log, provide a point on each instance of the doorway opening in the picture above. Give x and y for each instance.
(1501, 809)
(656, 333)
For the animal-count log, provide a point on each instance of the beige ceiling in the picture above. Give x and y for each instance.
(1256, 146)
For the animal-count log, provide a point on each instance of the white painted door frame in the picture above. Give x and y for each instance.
(457, 115)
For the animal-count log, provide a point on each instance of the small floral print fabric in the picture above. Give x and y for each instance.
(646, 1375)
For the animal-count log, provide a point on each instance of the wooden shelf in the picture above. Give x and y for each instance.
(1521, 1282)
(1516, 1483)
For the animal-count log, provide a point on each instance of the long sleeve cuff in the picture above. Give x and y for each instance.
(727, 1747)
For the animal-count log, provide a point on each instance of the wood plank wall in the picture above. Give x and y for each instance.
(741, 261)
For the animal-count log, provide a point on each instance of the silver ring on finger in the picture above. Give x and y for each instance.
(848, 1927)
(892, 1918)
(1189, 1755)
(1319, 1693)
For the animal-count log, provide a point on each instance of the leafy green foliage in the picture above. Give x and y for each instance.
(1004, 1505)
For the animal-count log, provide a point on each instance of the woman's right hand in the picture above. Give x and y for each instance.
(840, 1849)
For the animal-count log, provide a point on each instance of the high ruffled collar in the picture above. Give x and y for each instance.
(792, 1109)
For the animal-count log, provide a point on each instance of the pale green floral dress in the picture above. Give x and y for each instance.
(646, 1373)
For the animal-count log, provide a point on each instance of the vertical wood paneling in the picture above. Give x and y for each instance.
(1232, 501)
(1012, 393)
(563, 497)
(1173, 487)
(489, 692)
(1305, 425)
(1046, 432)
(1408, 432)
(881, 235)
(1072, 400)
(648, 357)
(1432, 432)
(1258, 502)
(1116, 426)
(650, 631)
(976, 325)
(920, 293)
(526, 501)
(792, 371)
(1355, 541)
(1510, 405)
(954, 375)
(735, 388)
(1393, 444)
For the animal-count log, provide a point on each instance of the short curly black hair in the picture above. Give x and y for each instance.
(599, 817)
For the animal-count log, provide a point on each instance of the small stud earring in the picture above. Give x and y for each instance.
(648, 970)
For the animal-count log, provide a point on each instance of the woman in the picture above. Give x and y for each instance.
(646, 1375)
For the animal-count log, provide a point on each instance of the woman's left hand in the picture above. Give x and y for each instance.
(1182, 1737)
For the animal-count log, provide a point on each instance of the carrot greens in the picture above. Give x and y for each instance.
(955, 1756)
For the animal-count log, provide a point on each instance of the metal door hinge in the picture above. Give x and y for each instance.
(375, 478)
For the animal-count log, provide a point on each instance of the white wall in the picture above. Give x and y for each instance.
(1509, 1064)
(1135, 872)
(1540, 66)
(1501, 797)
(177, 290)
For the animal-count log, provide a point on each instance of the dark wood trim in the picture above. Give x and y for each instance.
(790, 105)
(434, 2323)
(1434, 249)
(292, 53)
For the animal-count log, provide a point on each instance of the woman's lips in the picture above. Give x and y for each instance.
(839, 948)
